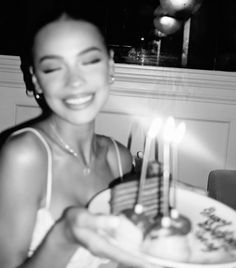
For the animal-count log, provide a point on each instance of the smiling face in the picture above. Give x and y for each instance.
(72, 69)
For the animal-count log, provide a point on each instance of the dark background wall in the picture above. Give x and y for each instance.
(212, 37)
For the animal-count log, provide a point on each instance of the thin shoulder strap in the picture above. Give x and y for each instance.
(49, 155)
(118, 158)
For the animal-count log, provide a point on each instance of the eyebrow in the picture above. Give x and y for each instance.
(49, 57)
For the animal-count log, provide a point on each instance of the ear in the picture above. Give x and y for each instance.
(35, 81)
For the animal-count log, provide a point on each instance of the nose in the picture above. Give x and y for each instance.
(74, 78)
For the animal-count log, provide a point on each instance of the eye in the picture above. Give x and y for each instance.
(49, 66)
(91, 61)
(51, 70)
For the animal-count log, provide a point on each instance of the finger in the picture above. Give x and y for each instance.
(102, 248)
(99, 245)
(98, 222)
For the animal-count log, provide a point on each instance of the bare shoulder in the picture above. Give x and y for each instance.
(22, 158)
(23, 147)
(112, 157)
(22, 174)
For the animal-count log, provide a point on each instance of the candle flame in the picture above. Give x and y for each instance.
(169, 129)
(154, 128)
(179, 133)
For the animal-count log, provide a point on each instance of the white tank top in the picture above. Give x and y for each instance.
(82, 258)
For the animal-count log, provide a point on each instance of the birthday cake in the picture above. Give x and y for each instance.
(208, 238)
(211, 241)
(170, 239)
(124, 194)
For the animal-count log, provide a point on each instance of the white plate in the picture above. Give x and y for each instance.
(213, 221)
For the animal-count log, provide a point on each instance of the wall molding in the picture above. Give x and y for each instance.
(175, 83)
(10, 72)
(150, 82)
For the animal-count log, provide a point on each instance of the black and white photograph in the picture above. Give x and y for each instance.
(118, 134)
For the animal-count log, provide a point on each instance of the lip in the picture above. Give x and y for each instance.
(79, 101)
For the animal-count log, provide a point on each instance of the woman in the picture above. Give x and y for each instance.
(50, 170)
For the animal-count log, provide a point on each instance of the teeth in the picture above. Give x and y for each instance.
(79, 100)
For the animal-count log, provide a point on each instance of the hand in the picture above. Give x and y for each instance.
(94, 232)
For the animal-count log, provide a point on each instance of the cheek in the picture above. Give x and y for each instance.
(101, 75)
(50, 86)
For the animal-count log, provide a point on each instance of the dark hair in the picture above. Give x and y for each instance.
(77, 10)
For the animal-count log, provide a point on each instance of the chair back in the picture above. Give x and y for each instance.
(222, 186)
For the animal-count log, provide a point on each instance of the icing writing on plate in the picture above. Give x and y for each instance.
(213, 232)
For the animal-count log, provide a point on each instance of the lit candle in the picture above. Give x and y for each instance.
(168, 136)
(152, 132)
(178, 136)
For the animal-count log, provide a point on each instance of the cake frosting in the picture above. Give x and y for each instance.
(168, 239)
(173, 247)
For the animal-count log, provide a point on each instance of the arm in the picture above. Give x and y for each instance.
(17, 204)
(23, 165)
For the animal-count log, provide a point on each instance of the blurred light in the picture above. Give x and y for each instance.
(177, 4)
(179, 133)
(169, 129)
(154, 128)
(167, 25)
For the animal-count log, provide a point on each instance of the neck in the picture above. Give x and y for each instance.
(80, 138)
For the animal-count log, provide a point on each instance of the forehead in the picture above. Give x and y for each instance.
(69, 36)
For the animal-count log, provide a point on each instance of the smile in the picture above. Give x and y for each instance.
(80, 101)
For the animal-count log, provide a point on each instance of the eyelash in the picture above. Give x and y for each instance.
(94, 61)
(51, 70)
